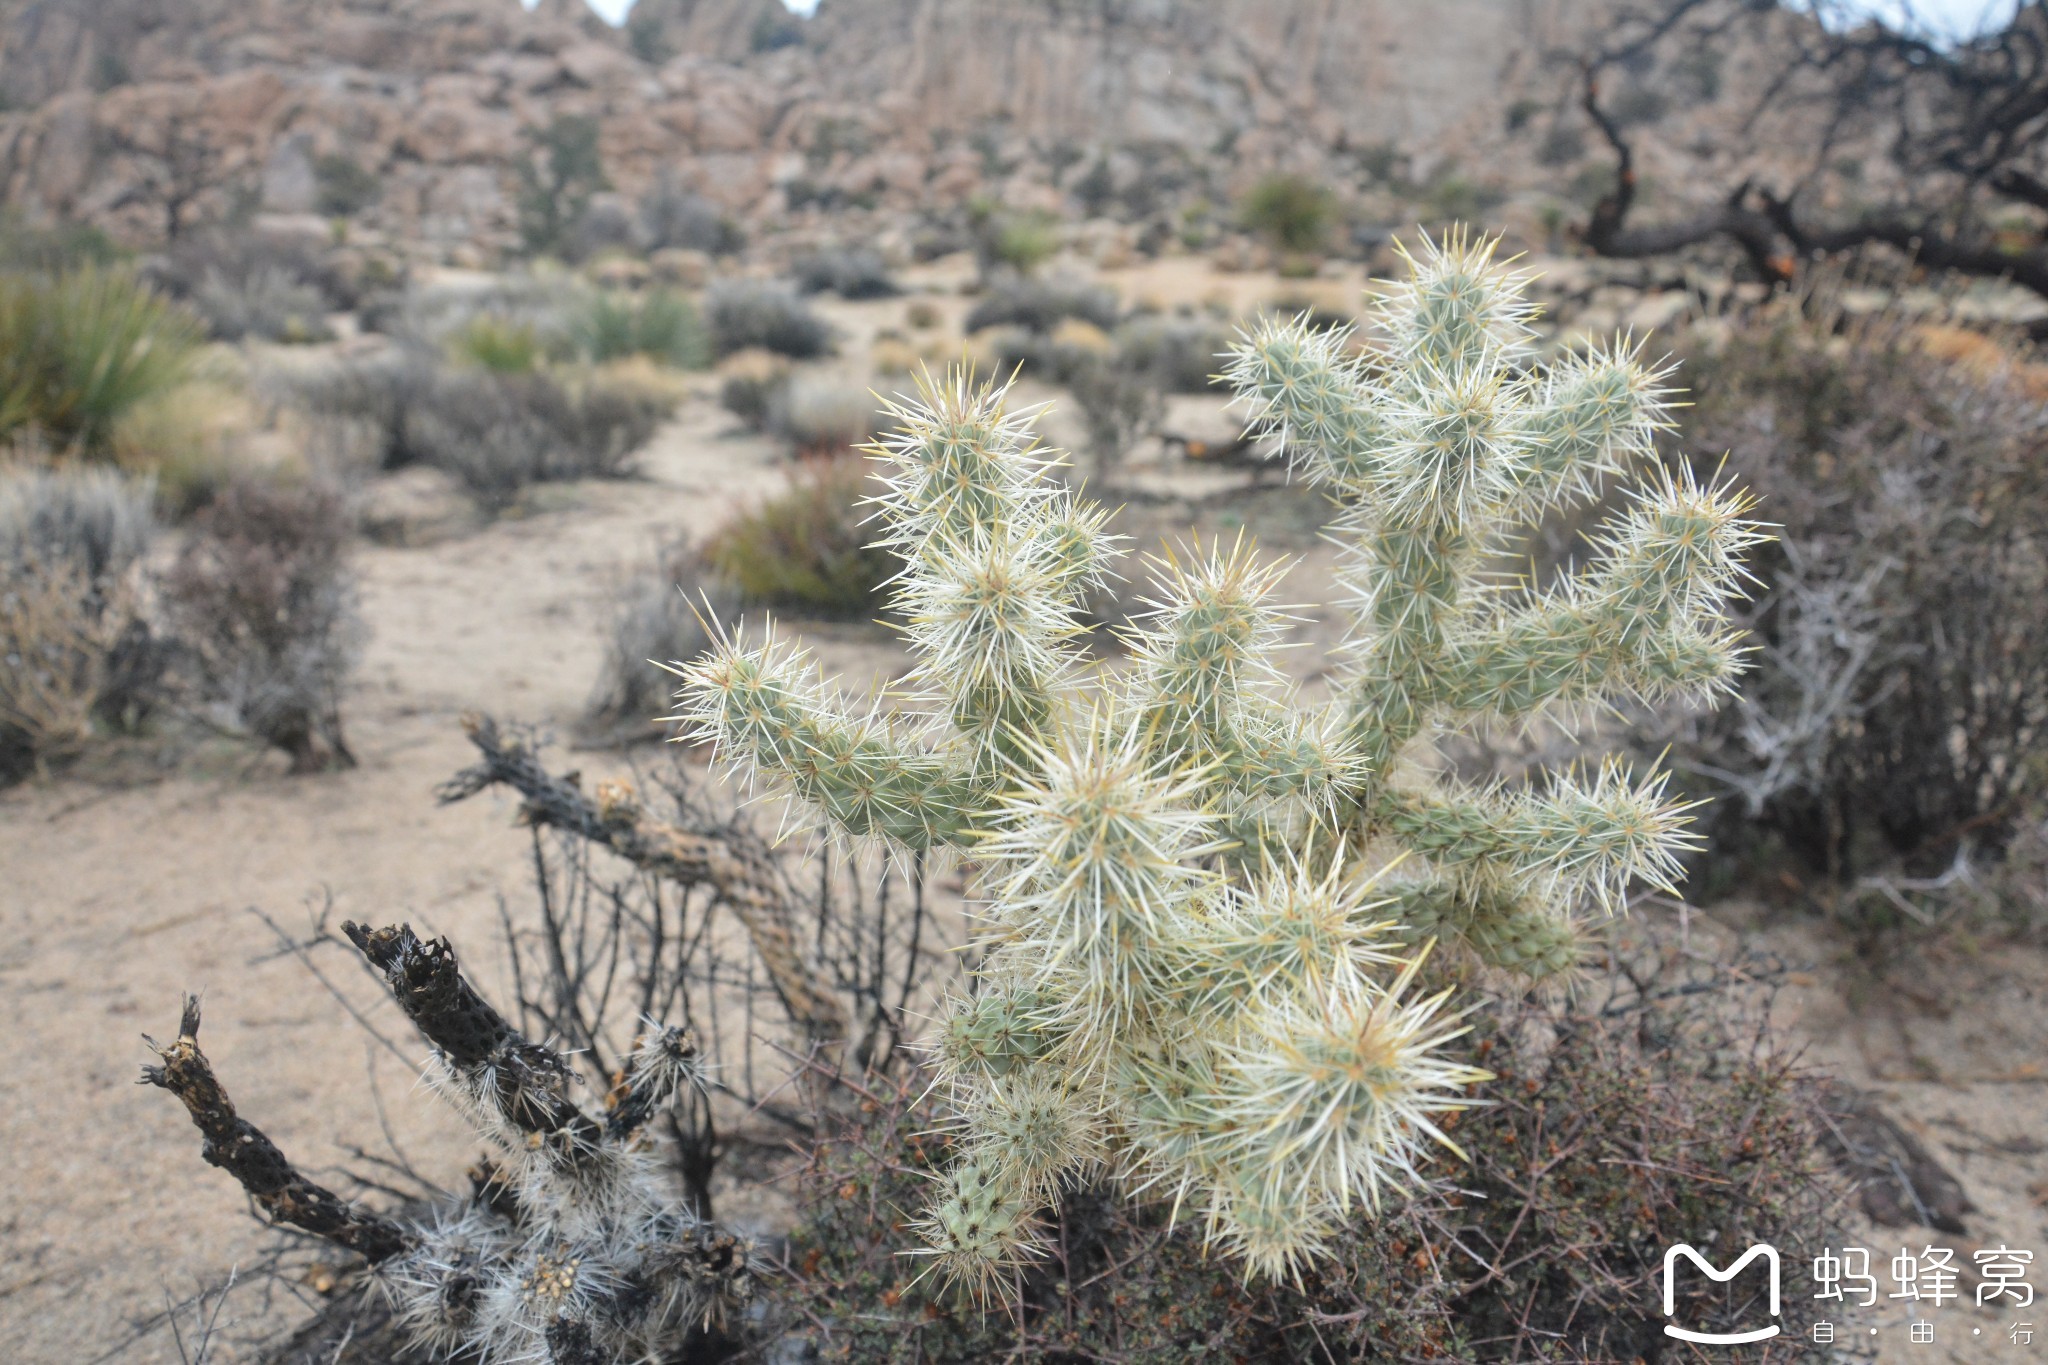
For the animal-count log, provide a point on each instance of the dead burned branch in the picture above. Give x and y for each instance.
(572, 1238)
(742, 877)
(241, 1149)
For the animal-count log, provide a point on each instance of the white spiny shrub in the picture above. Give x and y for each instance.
(1206, 905)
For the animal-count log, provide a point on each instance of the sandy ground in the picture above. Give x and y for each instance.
(117, 895)
(116, 898)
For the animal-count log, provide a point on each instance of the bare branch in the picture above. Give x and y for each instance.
(241, 1149)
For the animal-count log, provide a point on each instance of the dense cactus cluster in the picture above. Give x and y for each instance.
(1206, 906)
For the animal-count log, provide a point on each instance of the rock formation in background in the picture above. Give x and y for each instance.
(149, 117)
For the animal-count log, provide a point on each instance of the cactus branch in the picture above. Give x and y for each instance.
(244, 1152)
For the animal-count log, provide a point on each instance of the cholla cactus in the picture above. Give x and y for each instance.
(573, 1249)
(1207, 905)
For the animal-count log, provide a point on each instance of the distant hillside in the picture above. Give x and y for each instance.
(149, 115)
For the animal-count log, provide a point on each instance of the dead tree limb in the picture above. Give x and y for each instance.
(241, 1149)
(1963, 126)
(743, 879)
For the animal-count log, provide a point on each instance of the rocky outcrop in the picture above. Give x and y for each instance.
(148, 116)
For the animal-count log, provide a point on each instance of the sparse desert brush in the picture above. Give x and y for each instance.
(750, 314)
(1041, 305)
(1178, 355)
(263, 604)
(74, 642)
(805, 550)
(267, 303)
(79, 349)
(501, 433)
(1621, 1126)
(498, 433)
(752, 379)
(572, 1246)
(849, 272)
(668, 611)
(675, 219)
(1292, 211)
(585, 1233)
(1893, 725)
(1208, 907)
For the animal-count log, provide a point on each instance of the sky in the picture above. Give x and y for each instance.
(1956, 17)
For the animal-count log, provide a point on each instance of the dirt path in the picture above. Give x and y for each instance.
(115, 899)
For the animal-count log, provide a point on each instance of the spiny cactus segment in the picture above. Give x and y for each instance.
(1207, 905)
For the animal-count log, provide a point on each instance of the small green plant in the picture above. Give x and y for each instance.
(805, 550)
(661, 325)
(1025, 242)
(557, 178)
(500, 345)
(79, 349)
(342, 187)
(1208, 908)
(1291, 211)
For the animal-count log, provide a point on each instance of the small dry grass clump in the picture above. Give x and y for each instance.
(264, 606)
(805, 550)
(189, 440)
(658, 618)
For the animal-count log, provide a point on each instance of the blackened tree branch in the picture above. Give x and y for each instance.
(1963, 125)
(241, 1149)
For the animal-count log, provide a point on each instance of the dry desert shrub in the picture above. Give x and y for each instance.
(749, 314)
(263, 606)
(849, 272)
(1041, 305)
(659, 617)
(1619, 1127)
(1891, 731)
(822, 417)
(76, 647)
(806, 549)
(496, 432)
